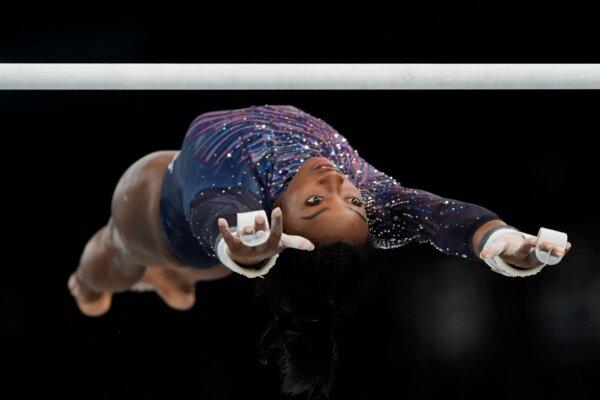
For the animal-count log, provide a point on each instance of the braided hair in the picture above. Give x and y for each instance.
(310, 293)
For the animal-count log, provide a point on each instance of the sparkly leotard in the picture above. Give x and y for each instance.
(241, 160)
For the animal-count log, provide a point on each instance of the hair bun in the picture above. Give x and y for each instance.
(308, 354)
(310, 293)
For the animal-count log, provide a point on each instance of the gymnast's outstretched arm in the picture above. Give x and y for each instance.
(213, 211)
(399, 215)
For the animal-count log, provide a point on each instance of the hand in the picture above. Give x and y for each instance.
(277, 242)
(517, 250)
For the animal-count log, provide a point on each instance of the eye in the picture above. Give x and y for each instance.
(313, 200)
(356, 201)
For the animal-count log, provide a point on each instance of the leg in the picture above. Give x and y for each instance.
(116, 256)
(105, 267)
(176, 285)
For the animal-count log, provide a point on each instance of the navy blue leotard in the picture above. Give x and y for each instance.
(241, 160)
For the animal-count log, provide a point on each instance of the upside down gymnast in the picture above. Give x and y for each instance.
(331, 211)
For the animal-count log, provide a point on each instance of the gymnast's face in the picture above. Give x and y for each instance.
(321, 204)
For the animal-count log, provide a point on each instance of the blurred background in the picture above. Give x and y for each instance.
(439, 326)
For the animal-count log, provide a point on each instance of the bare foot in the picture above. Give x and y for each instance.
(90, 302)
(171, 284)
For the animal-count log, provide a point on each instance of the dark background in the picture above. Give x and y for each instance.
(449, 31)
(441, 325)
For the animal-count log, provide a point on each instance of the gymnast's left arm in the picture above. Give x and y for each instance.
(399, 215)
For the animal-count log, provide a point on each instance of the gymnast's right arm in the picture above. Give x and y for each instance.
(211, 214)
(208, 206)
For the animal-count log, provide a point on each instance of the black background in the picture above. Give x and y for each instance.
(441, 325)
(401, 31)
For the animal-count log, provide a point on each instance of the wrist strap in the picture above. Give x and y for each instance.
(486, 237)
(225, 258)
(500, 266)
(497, 264)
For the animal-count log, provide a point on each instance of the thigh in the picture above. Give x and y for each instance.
(135, 210)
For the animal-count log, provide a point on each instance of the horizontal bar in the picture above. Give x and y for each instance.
(297, 76)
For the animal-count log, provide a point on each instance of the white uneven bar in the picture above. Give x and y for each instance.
(297, 76)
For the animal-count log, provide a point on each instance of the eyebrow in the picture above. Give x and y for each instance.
(314, 215)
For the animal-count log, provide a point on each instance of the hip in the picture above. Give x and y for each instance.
(176, 228)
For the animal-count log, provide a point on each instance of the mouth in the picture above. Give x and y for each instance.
(323, 165)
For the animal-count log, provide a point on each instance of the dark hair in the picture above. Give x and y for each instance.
(310, 292)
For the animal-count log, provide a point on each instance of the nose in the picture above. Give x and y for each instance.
(331, 177)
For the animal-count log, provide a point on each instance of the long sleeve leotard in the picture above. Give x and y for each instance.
(241, 160)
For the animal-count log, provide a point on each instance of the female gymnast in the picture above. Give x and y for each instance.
(332, 212)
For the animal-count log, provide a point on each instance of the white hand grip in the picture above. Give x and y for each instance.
(556, 238)
(247, 219)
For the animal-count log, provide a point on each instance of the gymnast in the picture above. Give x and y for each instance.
(173, 217)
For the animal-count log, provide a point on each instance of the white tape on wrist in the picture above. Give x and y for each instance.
(500, 266)
(225, 258)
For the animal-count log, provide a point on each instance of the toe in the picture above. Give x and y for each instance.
(173, 287)
(182, 301)
(178, 295)
(96, 307)
(92, 305)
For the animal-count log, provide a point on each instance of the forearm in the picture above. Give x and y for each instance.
(207, 207)
(401, 215)
(456, 227)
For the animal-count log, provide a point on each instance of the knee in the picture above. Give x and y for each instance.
(106, 264)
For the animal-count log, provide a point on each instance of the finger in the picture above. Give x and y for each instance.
(557, 251)
(521, 262)
(227, 235)
(276, 228)
(531, 240)
(494, 249)
(546, 246)
(260, 223)
(296, 242)
(551, 248)
(532, 258)
(525, 247)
